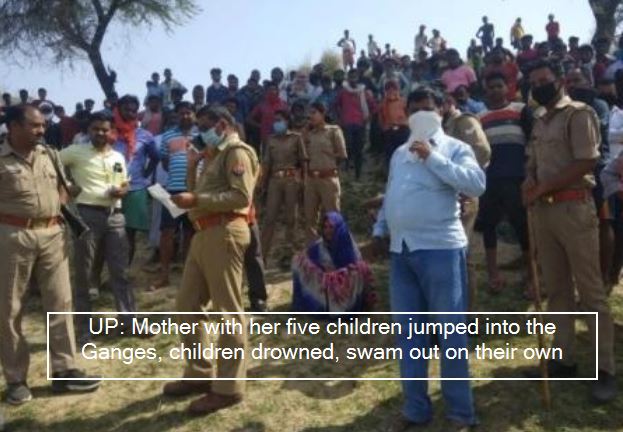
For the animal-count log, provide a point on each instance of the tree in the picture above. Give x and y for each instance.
(608, 15)
(68, 30)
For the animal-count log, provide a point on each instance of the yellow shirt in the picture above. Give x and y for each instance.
(95, 172)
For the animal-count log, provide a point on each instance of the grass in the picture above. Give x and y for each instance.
(283, 406)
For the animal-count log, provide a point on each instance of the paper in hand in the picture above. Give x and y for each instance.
(158, 193)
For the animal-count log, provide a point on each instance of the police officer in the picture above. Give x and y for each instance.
(283, 167)
(326, 149)
(561, 157)
(33, 239)
(219, 206)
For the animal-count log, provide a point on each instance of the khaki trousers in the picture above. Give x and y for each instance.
(468, 219)
(43, 255)
(280, 191)
(213, 273)
(320, 193)
(567, 241)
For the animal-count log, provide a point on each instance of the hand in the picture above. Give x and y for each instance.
(421, 149)
(185, 200)
(119, 191)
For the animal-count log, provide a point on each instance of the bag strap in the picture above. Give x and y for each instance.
(56, 162)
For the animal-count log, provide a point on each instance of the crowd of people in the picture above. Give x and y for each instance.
(530, 133)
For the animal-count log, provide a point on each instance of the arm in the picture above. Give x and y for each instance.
(461, 171)
(255, 117)
(339, 145)
(164, 153)
(470, 132)
(153, 157)
(615, 129)
(303, 157)
(241, 178)
(567, 176)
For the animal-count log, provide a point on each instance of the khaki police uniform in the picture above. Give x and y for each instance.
(325, 147)
(214, 267)
(285, 157)
(35, 246)
(467, 128)
(566, 226)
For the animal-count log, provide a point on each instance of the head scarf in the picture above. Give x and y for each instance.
(424, 125)
(341, 246)
(125, 131)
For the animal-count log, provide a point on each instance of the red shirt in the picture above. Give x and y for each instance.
(553, 30)
(349, 107)
(69, 129)
(264, 112)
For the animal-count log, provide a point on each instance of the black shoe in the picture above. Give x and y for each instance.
(259, 306)
(555, 369)
(78, 382)
(17, 394)
(604, 389)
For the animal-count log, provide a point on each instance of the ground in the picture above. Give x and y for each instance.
(271, 406)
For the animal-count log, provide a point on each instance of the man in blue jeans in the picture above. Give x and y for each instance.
(421, 215)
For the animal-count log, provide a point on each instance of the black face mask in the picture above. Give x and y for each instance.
(545, 93)
(586, 95)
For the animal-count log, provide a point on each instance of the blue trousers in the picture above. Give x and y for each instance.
(431, 281)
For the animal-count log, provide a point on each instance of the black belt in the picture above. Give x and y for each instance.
(99, 208)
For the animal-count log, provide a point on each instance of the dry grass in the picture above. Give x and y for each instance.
(309, 406)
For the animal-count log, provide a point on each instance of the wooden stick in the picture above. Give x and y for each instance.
(545, 391)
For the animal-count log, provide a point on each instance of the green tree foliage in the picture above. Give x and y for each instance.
(66, 30)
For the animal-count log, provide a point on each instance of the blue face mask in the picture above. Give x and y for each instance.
(280, 127)
(211, 138)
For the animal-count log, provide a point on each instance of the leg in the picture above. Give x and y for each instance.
(468, 219)
(15, 268)
(85, 251)
(193, 296)
(131, 235)
(224, 272)
(254, 267)
(312, 203)
(556, 270)
(490, 216)
(405, 296)
(291, 200)
(443, 279)
(52, 272)
(116, 252)
(273, 204)
(167, 248)
(582, 250)
(358, 136)
(330, 194)
(516, 213)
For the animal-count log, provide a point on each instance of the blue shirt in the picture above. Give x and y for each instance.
(217, 95)
(472, 106)
(145, 151)
(173, 148)
(421, 205)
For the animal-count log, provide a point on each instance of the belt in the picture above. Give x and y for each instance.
(109, 210)
(210, 221)
(30, 223)
(328, 173)
(566, 196)
(287, 173)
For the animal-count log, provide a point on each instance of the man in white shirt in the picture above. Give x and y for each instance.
(420, 41)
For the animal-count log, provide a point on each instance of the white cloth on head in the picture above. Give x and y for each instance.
(424, 125)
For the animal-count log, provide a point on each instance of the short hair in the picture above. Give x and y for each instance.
(452, 52)
(89, 101)
(552, 65)
(215, 71)
(496, 76)
(128, 99)
(217, 113)
(99, 116)
(204, 110)
(17, 114)
(586, 47)
(232, 100)
(232, 76)
(184, 104)
(320, 107)
(574, 39)
(40, 89)
(421, 94)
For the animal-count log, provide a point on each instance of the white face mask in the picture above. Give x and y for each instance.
(424, 125)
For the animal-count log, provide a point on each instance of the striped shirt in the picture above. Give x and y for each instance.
(174, 146)
(507, 130)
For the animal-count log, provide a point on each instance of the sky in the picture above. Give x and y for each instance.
(240, 35)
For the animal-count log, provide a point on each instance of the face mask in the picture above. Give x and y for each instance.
(545, 94)
(211, 138)
(423, 125)
(585, 95)
(280, 127)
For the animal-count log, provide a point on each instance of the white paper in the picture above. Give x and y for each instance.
(158, 193)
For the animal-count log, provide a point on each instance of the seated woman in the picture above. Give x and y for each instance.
(330, 275)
